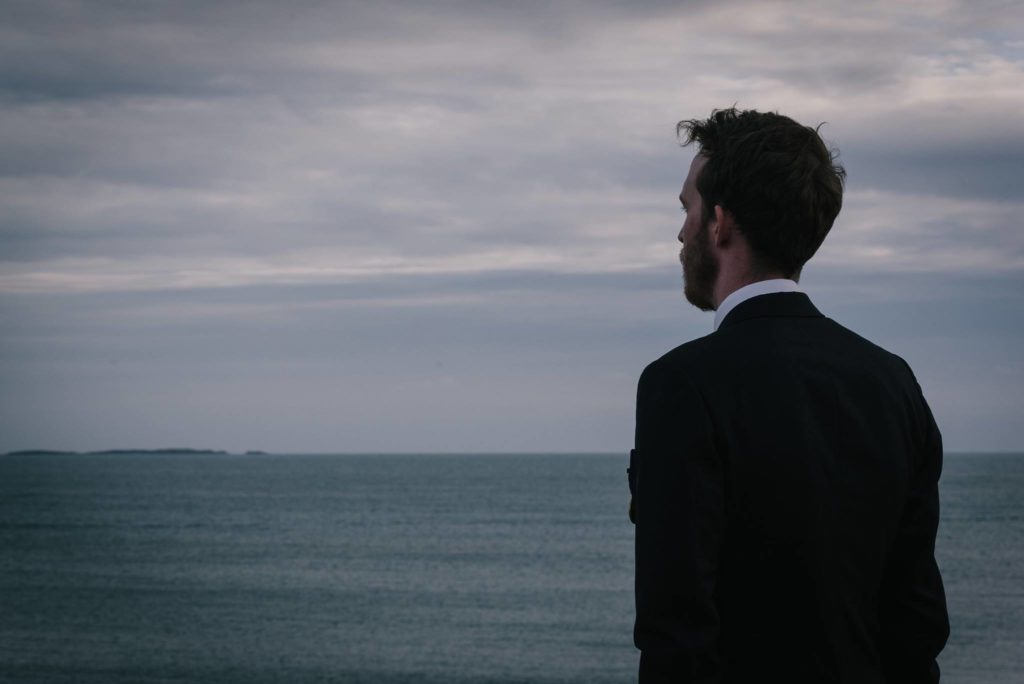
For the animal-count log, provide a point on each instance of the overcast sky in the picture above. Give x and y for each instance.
(451, 226)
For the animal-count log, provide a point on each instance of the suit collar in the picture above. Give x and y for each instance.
(754, 289)
(779, 304)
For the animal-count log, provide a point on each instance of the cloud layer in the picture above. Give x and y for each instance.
(319, 190)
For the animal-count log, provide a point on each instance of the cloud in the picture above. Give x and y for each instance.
(904, 232)
(481, 177)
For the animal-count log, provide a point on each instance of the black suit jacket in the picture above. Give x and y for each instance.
(785, 483)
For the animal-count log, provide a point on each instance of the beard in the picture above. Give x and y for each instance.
(700, 270)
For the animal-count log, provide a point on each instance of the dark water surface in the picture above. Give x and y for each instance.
(385, 569)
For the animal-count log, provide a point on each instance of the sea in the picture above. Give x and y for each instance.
(387, 569)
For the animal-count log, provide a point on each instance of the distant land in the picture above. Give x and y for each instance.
(50, 452)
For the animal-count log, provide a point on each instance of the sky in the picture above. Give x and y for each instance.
(451, 226)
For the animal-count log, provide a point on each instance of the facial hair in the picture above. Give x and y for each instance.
(700, 269)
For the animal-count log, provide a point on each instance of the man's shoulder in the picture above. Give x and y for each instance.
(869, 352)
(736, 346)
(685, 358)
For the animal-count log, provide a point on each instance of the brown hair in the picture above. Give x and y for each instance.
(778, 179)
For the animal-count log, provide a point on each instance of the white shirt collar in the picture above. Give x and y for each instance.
(753, 290)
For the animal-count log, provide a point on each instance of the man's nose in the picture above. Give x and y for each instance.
(680, 236)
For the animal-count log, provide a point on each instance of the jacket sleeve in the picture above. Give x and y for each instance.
(914, 623)
(679, 514)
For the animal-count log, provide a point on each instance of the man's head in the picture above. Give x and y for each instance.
(772, 179)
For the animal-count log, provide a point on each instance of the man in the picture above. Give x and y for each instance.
(785, 471)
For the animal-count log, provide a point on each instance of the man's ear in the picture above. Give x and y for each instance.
(724, 226)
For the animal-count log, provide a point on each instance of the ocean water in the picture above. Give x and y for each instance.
(387, 569)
